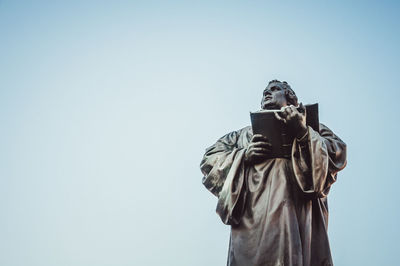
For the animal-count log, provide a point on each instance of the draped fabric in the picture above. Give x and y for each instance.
(277, 209)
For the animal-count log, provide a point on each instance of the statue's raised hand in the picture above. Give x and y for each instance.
(294, 118)
(258, 149)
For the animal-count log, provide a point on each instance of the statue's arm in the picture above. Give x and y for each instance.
(316, 160)
(336, 148)
(223, 169)
(217, 162)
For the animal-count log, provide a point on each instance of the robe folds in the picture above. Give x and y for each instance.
(277, 209)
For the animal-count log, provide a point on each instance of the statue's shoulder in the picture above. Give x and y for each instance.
(240, 132)
(326, 132)
(323, 129)
(238, 138)
(245, 130)
(244, 136)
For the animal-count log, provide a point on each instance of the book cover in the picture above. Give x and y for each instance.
(265, 123)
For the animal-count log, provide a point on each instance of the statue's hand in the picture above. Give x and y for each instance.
(295, 119)
(258, 149)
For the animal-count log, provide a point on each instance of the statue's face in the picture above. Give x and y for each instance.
(274, 97)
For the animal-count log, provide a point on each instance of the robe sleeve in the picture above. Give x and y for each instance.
(223, 169)
(316, 161)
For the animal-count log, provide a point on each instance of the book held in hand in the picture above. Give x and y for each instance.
(264, 122)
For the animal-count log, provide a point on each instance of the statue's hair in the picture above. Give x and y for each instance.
(291, 97)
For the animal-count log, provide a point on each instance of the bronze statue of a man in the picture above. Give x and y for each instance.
(276, 207)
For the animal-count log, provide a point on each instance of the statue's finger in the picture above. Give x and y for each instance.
(259, 155)
(301, 108)
(279, 117)
(287, 111)
(259, 137)
(260, 150)
(262, 144)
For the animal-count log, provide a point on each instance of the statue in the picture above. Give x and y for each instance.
(276, 207)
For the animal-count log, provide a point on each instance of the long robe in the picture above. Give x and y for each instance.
(278, 208)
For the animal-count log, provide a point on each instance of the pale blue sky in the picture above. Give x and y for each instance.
(106, 108)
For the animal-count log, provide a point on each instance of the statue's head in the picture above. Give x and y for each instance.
(278, 94)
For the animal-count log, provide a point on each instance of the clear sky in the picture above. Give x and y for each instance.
(106, 108)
